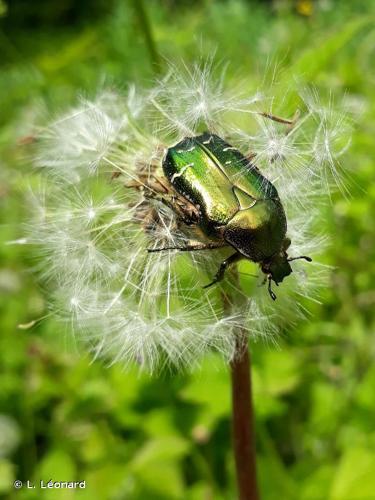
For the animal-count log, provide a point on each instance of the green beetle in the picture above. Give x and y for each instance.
(214, 187)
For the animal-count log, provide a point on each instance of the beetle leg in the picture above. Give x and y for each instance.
(152, 185)
(223, 267)
(197, 245)
(263, 282)
(145, 172)
(186, 212)
(270, 291)
(157, 189)
(115, 174)
(250, 157)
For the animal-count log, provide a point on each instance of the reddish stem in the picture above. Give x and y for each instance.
(243, 424)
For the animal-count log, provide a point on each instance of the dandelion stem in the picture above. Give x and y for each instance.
(243, 434)
(243, 423)
(145, 26)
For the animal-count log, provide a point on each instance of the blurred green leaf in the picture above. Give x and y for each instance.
(317, 57)
(209, 387)
(56, 466)
(7, 476)
(317, 484)
(281, 371)
(355, 476)
(160, 449)
(161, 480)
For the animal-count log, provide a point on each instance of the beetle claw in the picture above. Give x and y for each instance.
(270, 291)
(210, 284)
(273, 295)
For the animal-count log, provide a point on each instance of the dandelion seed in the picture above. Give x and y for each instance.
(105, 202)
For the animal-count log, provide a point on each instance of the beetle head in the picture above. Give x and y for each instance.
(277, 267)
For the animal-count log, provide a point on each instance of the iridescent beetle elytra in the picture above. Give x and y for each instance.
(211, 185)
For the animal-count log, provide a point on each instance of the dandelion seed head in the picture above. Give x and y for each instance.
(95, 218)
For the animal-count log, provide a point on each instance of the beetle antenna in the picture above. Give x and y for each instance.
(270, 291)
(309, 259)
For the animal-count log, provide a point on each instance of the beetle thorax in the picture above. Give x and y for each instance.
(258, 232)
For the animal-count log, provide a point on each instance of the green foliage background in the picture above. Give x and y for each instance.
(168, 437)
